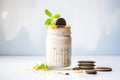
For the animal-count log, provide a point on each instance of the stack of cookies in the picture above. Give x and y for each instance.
(89, 67)
(86, 65)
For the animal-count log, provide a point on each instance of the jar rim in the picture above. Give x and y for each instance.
(54, 27)
(59, 32)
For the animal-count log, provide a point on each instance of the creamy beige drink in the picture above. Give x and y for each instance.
(58, 41)
(58, 47)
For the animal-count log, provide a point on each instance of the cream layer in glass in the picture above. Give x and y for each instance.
(58, 48)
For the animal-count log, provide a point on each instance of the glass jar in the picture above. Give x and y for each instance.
(58, 48)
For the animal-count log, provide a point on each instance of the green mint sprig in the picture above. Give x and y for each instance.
(40, 66)
(51, 19)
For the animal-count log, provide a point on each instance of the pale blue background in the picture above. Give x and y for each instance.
(23, 31)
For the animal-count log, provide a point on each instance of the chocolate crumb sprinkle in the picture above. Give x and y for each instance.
(66, 73)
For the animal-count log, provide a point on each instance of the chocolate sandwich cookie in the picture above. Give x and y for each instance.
(86, 64)
(82, 64)
(86, 67)
(87, 61)
(60, 22)
(103, 69)
(91, 72)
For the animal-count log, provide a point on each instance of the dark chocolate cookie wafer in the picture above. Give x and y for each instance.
(86, 67)
(87, 61)
(60, 22)
(103, 69)
(91, 72)
(81, 64)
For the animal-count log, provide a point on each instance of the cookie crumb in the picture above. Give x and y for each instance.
(66, 73)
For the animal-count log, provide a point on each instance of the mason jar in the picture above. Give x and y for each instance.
(58, 48)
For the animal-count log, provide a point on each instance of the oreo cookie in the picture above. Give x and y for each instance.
(87, 61)
(89, 67)
(91, 72)
(81, 64)
(60, 22)
(103, 69)
(86, 65)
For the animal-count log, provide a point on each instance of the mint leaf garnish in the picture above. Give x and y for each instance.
(48, 13)
(42, 66)
(52, 22)
(48, 22)
(38, 66)
(56, 15)
(51, 19)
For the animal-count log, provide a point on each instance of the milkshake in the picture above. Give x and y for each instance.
(58, 47)
(58, 41)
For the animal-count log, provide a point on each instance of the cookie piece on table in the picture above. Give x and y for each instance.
(103, 69)
(76, 68)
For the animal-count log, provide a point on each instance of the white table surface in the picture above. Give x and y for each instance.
(20, 68)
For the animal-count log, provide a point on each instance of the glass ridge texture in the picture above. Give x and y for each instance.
(58, 48)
